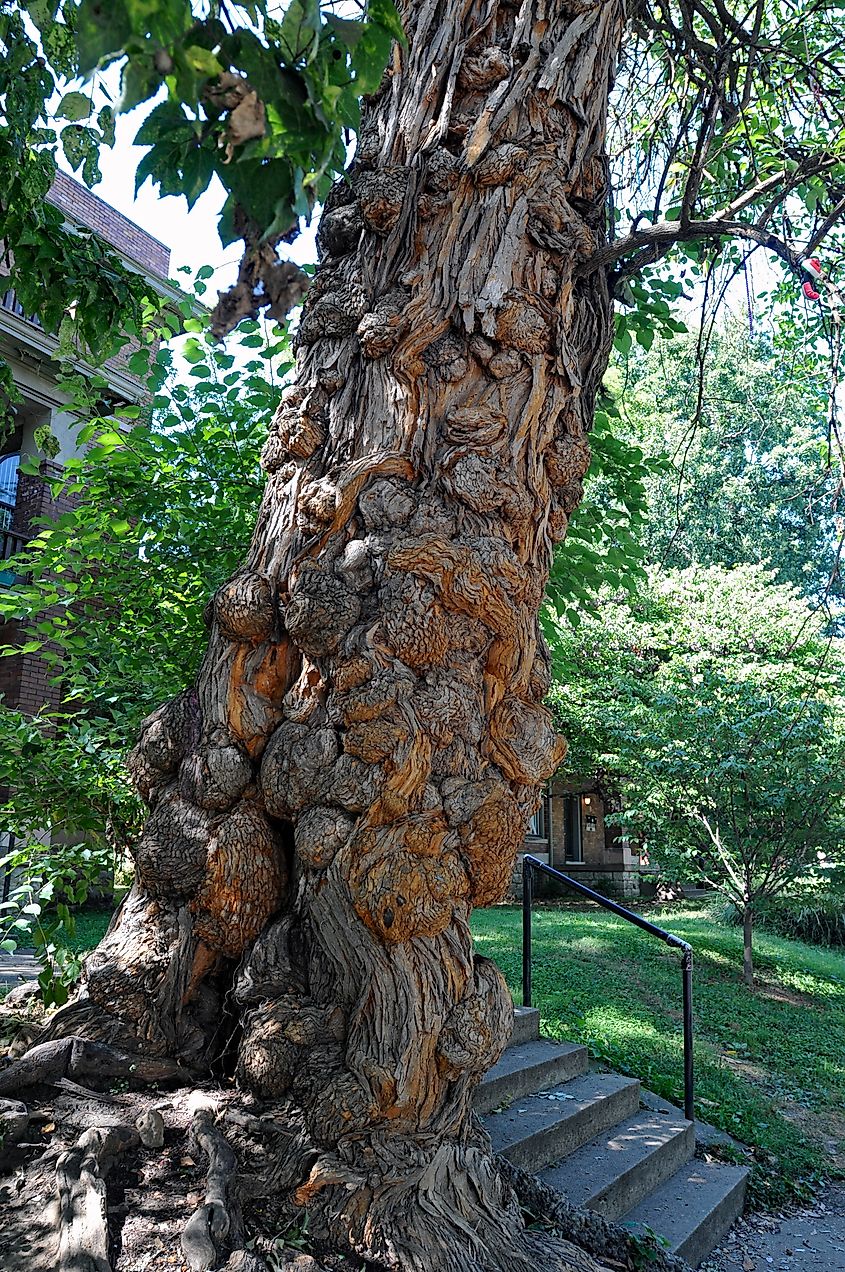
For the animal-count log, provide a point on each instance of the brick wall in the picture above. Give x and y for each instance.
(112, 226)
(25, 679)
(119, 232)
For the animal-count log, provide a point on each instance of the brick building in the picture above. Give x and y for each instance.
(30, 352)
(570, 832)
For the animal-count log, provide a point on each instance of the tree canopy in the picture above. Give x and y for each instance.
(265, 104)
(726, 136)
(712, 703)
(751, 476)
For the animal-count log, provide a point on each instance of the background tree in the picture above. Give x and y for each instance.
(113, 591)
(713, 702)
(752, 475)
(354, 766)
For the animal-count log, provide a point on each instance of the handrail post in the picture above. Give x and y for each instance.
(529, 866)
(527, 899)
(689, 1089)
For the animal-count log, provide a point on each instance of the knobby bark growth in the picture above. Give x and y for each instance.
(355, 765)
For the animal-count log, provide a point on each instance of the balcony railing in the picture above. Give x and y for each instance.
(11, 543)
(9, 301)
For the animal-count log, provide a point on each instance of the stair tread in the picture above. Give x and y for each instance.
(559, 1104)
(526, 1025)
(526, 1068)
(589, 1173)
(680, 1207)
(528, 1055)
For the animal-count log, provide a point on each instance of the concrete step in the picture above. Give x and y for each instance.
(526, 1068)
(539, 1129)
(694, 1209)
(617, 1169)
(526, 1025)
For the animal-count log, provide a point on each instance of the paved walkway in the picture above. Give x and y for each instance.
(17, 967)
(810, 1240)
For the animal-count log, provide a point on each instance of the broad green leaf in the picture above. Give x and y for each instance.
(74, 106)
(299, 33)
(103, 27)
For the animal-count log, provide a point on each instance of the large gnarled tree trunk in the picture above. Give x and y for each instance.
(355, 766)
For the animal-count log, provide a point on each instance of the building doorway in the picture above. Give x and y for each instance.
(573, 844)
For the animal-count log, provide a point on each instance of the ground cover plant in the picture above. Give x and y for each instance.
(816, 916)
(770, 1068)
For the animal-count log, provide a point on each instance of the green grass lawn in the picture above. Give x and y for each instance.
(770, 1065)
(89, 929)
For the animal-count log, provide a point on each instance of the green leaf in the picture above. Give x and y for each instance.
(202, 61)
(384, 12)
(106, 125)
(42, 12)
(103, 27)
(623, 340)
(139, 81)
(160, 122)
(74, 106)
(299, 33)
(81, 148)
(369, 57)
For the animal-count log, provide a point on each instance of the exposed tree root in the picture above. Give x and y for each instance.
(218, 1217)
(451, 1209)
(14, 1121)
(217, 1173)
(246, 1261)
(80, 1182)
(79, 1058)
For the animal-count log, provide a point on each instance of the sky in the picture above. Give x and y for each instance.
(192, 235)
(194, 242)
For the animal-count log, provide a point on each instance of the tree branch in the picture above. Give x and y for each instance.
(649, 243)
(826, 226)
(663, 234)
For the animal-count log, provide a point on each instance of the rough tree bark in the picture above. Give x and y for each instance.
(354, 768)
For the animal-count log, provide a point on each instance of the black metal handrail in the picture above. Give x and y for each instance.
(529, 865)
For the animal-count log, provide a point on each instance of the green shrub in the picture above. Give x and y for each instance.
(817, 918)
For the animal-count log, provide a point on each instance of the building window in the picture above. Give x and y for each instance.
(537, 826)
(9, 465)
(572, 842)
